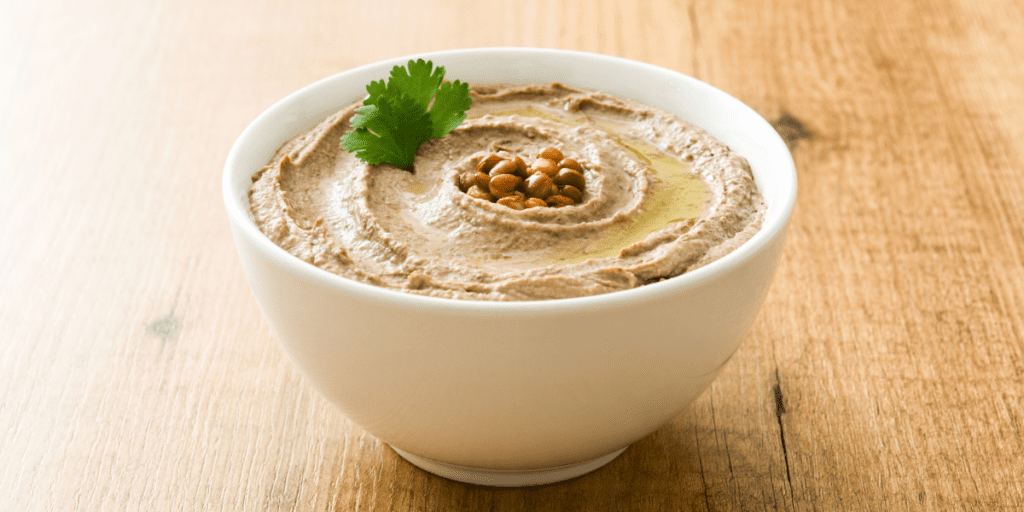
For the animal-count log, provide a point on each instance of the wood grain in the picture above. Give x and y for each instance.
(885, 371)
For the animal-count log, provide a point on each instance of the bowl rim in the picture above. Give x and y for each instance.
(775, 223)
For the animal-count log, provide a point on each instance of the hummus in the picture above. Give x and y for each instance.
(662, 197)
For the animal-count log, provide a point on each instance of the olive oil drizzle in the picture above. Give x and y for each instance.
(676, 194)
(529, 111)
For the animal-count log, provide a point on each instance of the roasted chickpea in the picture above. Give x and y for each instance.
(559, 200)
(514, 202)
(539, 185)
(570, 177)
(570, 164)
(470, 178)
(545, 166)
(482, 180)
(503, 167)
(571, 192)
(520, 166)
(504, 185)
(488, 162)
(479, 193)
(466, 180)
(551, 153)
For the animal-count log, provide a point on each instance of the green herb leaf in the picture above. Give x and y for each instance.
(419, 83)
(376, 90)
(450, 106)
(398, 117)
(389, 131)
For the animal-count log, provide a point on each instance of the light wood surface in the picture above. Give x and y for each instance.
(885, 371)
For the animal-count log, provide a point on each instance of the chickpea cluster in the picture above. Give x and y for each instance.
(550, 180)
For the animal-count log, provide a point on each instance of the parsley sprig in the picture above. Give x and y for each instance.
(398, 117)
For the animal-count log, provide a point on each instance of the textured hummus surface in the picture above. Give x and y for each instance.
(662, 197)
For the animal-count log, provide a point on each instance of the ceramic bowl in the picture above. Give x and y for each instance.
(440, 380)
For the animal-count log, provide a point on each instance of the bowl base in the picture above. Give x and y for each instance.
(507, 477)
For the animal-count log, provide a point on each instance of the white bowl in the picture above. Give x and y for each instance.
(578, 380)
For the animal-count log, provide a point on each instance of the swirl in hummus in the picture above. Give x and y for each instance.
(662, 197)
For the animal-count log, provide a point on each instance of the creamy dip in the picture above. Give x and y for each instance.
(662, 197)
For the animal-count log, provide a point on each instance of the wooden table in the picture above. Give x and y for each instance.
(885, 371)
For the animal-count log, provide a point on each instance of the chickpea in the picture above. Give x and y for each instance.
(539, 185)
(479, 193)
(545, 166)
(514, 202)
(570, 164)
(488, 162)
(482, 180)
(470, 178)
(568, 176)
(503, 167)
(551, 153)
(571, 192)
(504, 185)
(520, 166)
(559, 200)
(466, 180)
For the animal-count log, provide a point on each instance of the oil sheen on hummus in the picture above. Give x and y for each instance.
(662, 197)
